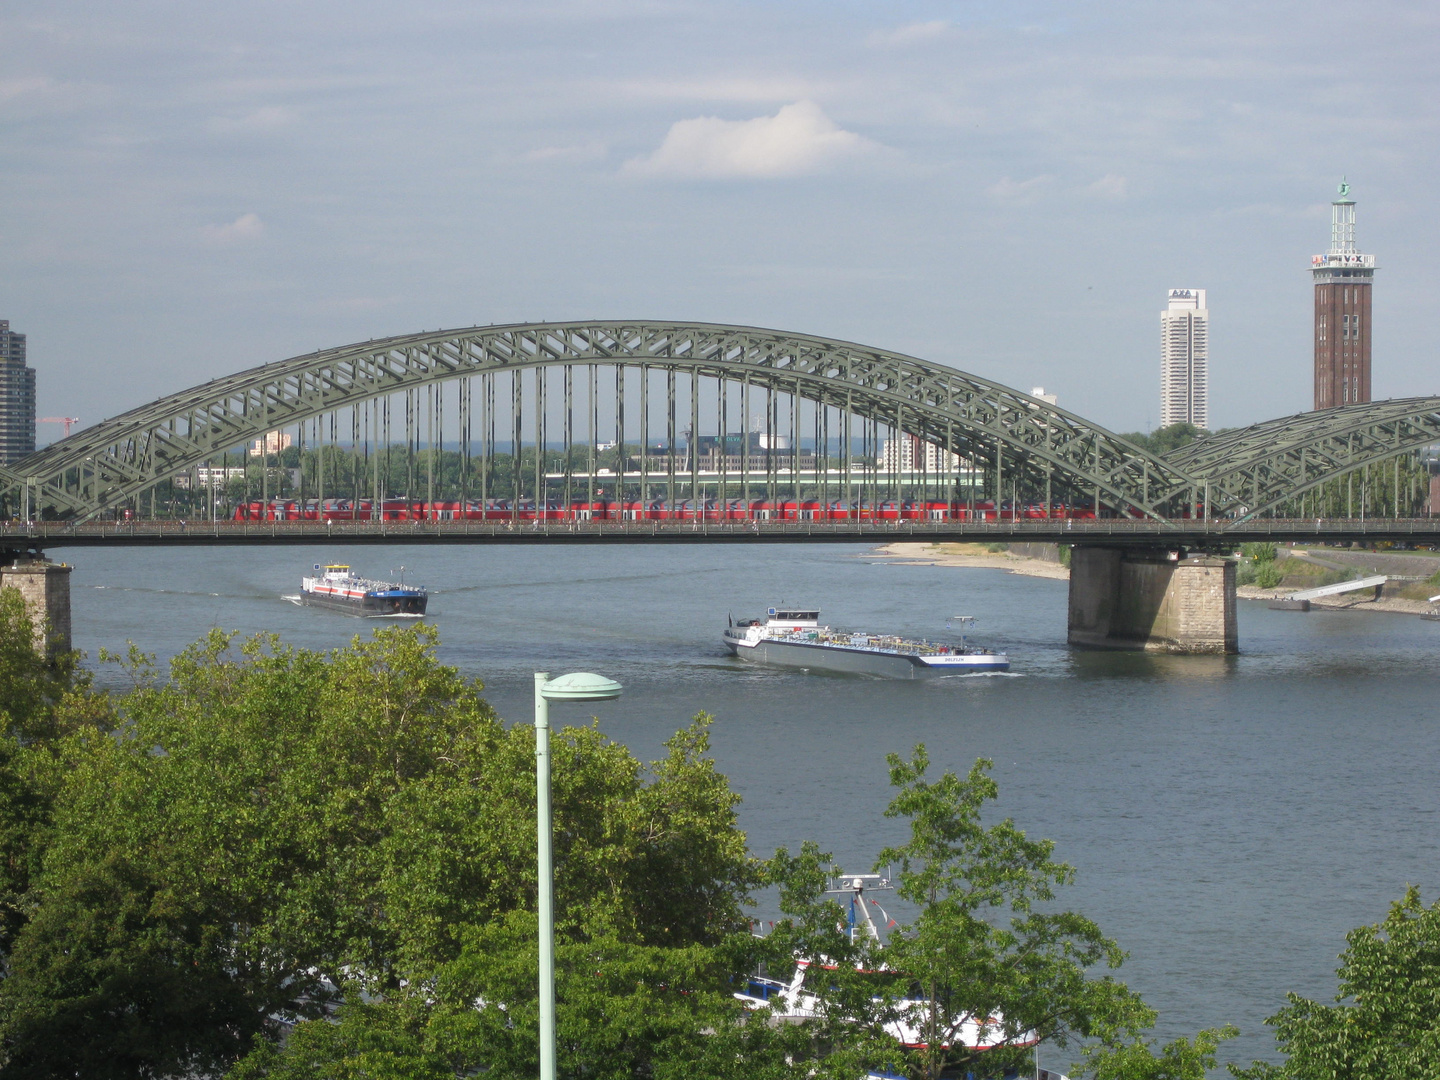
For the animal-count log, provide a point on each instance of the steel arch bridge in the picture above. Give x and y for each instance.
(1020, 442)
(1254, 470)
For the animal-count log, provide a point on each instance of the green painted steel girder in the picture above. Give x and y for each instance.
(1253, 470)
(101, 466)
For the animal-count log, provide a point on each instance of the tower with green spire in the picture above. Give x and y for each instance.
(1343, 280)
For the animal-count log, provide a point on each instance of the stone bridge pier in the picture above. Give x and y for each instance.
(45, 587)
(1152, 598)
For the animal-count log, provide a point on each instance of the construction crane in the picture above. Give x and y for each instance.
(66, 420)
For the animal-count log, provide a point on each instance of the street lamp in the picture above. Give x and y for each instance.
(579, 686)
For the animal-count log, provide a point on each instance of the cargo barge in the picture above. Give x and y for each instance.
(795, 638)
(338, 588)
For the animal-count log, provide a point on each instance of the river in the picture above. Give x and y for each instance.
(1230, 817)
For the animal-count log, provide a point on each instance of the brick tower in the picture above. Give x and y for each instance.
(1343, 278)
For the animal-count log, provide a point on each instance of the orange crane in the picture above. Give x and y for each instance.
(66, 420)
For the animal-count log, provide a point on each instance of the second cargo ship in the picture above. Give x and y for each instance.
(340, 589)
(795, 638)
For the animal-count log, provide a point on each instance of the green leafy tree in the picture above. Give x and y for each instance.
(1163, 440)
(624, 1010)
(1268, 575)
(1259, 551)
(986, 948)
(1178, 1060)
(1386, 1018)
(271, 826)
(42, 700)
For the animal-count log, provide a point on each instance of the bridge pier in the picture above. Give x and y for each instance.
(45, 587)
(1155, 599)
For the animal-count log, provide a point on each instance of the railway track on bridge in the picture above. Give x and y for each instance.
(1197, 535)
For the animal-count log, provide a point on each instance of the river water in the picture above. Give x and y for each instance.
(1230, 817)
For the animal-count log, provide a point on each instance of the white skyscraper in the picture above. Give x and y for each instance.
(1185, 352)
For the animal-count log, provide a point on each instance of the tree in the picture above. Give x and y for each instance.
(1386, 1018)
(1178, 1060)
(981, 949)
(273, 831)
(1162, 440)
(985, 949)
(42, 700)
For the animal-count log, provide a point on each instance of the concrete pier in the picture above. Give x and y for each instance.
(46, 589)
(1155, 599)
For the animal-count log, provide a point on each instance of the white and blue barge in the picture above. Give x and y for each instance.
(796, 638)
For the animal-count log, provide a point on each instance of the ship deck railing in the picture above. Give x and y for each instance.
(878, 643)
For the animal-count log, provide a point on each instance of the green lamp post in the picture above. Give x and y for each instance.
(579, 686)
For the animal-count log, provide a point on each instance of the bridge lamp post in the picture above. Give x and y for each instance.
(579, 686)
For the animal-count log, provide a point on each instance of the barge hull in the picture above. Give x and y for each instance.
(368, 607)
(859, 661)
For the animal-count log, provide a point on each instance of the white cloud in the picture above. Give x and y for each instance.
(245, 227)
(1109, 186)
(911, 33)
(590, 151)
(14, 88)
(1020, 192)
(798, 140)
(742, 88)
(269, 118)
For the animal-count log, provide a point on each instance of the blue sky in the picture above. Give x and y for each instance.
(190, 189)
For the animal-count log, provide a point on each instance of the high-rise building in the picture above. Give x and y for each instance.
(274, 443)
(1184, 359)
(1343, 278)
(910, 453)
(17, 397)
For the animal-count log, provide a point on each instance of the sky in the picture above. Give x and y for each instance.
(187, 190)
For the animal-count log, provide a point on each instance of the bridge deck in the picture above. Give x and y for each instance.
(17, 536)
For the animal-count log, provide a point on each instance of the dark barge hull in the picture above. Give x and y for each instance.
(373, 605)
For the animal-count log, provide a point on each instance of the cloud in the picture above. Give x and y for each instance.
(590, 151)
(350, 305)
(798, 140)
(269, 118)
(14, 88)
(910, 34)
(1020, 192)
(245, 227)
(1109, 186)
(740, 88)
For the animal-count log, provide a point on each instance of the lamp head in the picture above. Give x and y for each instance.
(580, 686)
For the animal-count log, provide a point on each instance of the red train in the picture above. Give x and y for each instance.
(498, 510)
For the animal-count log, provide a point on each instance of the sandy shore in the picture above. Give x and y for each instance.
(974, 555)
(1359, 601)
(977, 555)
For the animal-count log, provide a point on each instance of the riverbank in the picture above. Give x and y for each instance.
(971, 555)
(1405, 594)
(1362, 600)
(980, 556)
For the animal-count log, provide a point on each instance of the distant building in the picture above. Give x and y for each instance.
(738, 451)
(17, 397)
(910, 453)
(274, 442)
(209, 476)
(1049, 399)
(1343, 278)
(1185, 359)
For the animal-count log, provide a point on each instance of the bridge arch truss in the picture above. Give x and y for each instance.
(1262, 468)
(1021, 446)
